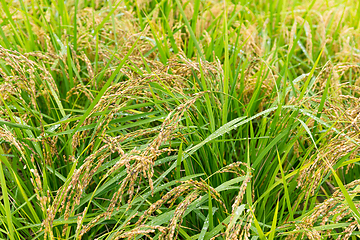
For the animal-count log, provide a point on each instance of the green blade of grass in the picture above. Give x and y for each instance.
(10, 226)
(192, 35)
(273, 225)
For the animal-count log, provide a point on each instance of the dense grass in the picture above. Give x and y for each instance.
(179, 119)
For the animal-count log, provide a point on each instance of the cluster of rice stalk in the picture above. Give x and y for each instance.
(115, 113)
(23, 77)
(239, 229)
(340, 111)
(138, 163)
(192, 190)
(332, 211)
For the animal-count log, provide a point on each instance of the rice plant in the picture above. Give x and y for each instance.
(179, 119)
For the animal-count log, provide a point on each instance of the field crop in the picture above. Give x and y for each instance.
(179, 119)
